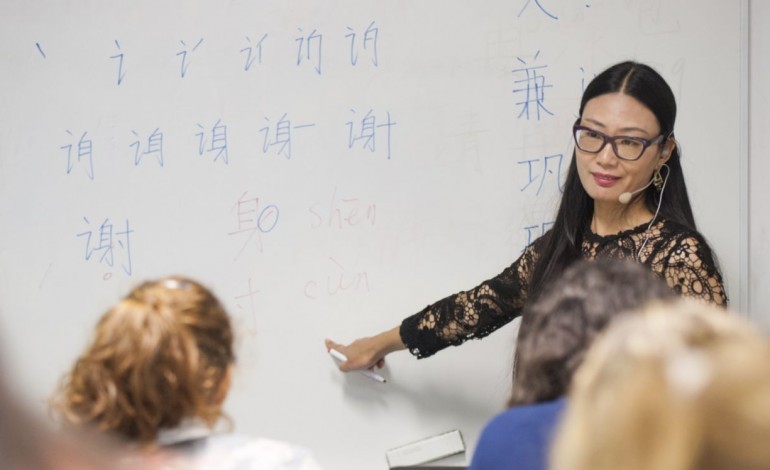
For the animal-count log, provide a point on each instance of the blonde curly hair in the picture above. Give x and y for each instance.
(680, 387)
(159, 356)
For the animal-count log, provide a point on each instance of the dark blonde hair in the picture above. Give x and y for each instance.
(680, 387)
(160, 355)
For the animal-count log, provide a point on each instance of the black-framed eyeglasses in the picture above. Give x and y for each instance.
(625, 147)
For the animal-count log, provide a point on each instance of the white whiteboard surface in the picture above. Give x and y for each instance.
(410, 175)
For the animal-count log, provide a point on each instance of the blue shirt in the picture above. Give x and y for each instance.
(518, 438)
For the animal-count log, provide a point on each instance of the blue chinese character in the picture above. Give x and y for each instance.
(310, 48)
(282, 136)
(218, 142)
(106, 242)
(154, 147)
(85, 154)
(121, 74)
(368, 132)
(253, 52)
(547, 169)
(532, 86)
(183, 53)
(537, 2)
(369, 44)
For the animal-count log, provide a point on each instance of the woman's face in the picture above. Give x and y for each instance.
(603, 175)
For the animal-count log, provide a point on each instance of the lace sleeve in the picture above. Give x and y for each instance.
(690, 269)
(470, 314)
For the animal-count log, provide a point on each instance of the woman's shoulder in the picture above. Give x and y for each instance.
(672, 227)
(522, 417)
(521, 433)
(676, 234)
(238, 451)
(689, 264)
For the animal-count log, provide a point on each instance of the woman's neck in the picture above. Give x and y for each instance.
(610, 219)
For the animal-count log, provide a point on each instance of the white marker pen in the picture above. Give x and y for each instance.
(341, 357)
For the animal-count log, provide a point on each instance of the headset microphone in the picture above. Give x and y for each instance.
(625, 198)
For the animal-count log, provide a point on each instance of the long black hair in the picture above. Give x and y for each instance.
(562, 244)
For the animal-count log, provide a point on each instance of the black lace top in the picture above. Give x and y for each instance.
(677, 254)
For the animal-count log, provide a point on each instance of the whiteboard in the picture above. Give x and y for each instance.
(327, 168)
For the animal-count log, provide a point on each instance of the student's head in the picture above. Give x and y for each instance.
(558, 328)
(627, 99)
(160, 355)
(678, 388)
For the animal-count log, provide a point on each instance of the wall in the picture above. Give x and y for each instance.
(758, 168)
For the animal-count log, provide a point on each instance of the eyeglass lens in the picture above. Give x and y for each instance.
(627, 148)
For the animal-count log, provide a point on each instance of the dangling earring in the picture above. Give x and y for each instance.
(657, 180)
